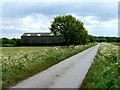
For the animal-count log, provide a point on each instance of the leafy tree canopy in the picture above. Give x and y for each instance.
(70, 28)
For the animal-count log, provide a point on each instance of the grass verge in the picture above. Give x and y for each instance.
(19, 63)
(105, 70)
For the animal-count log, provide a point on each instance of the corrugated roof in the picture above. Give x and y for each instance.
(39, 34)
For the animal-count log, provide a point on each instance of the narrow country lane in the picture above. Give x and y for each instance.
(66, 74)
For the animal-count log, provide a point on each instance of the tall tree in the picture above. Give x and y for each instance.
(70, 28)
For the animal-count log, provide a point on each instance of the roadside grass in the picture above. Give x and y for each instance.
(105, 70)
(19, 63)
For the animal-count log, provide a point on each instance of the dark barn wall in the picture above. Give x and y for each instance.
(42, 40)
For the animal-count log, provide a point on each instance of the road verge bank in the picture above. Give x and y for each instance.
(105, 70)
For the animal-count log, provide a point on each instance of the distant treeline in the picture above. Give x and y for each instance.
(5, 42)
(103, 39)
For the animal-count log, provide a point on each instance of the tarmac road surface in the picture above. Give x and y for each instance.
(66, 74)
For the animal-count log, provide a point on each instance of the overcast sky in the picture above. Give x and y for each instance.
(99, 18)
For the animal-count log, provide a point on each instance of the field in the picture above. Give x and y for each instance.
(19, 63)
(105, 70)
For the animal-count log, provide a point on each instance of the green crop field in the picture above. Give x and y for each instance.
(19, 63)
(105, 70)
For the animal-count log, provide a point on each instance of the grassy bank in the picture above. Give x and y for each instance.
(19, 63)
(105, 70)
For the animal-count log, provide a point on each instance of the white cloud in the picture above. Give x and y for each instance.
(31, 23)
(7, 27)
(96, 22)
(110, 23)
(101, 27)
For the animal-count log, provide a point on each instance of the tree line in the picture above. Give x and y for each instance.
(103, 39)
(6, 42)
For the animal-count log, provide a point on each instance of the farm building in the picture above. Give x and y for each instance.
(41, 39)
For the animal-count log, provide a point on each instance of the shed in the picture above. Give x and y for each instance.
(41, 39)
